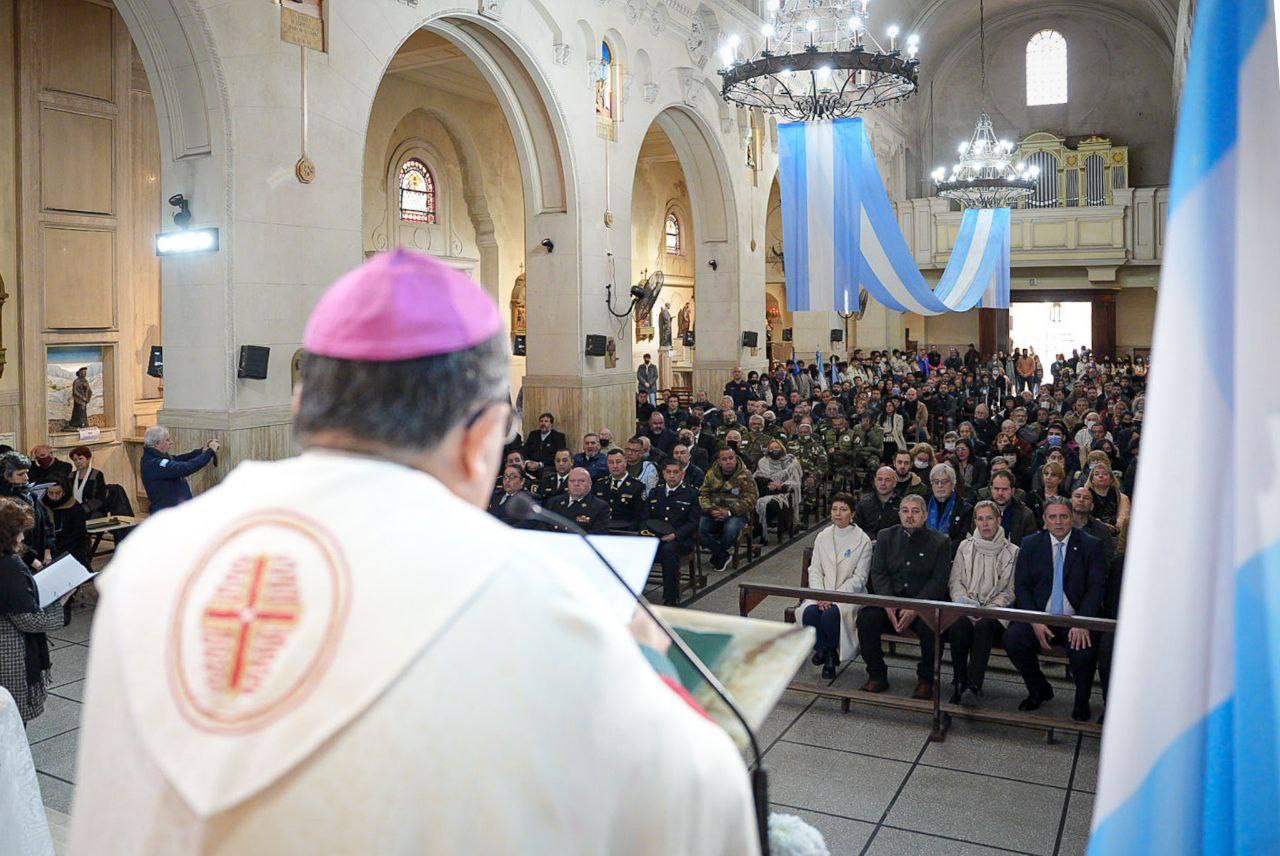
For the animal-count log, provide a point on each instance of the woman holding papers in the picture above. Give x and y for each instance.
(841, 562)
(24, 649)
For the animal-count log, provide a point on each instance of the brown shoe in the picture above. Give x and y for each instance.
(924, 690)
(874, 685)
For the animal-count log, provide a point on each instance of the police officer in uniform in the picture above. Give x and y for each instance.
(672, 512)
(555, 482)
(623, 493)
(577, 503)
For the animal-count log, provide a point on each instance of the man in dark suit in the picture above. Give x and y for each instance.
(555, 482)
(577, 504)
(700, 439)
(1016, 518)
(541, 447)
(691, 474)
(675, 415)
(909, 560)
(623, 493)
(512, 484)
(878, 510)
(660, 436)
(675, 504)
(948, 513)
(1060, 571)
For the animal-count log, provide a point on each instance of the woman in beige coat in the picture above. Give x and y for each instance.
(981, 575)
(841, 562)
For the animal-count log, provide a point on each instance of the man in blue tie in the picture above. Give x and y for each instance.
(1060, 571)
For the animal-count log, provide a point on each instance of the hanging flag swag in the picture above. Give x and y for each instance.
(840, 232)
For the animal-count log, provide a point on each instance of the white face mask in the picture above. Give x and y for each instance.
(949, 445)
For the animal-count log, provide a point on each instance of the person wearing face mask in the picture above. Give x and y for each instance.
(45, 467)
(15, 482)
(923, 460)
(841, 562)
(778, 478)
(908, 481)
(68, 519)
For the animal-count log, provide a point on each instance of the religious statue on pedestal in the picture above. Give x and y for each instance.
(684, 321)
(664, 326)
(81, 395)
(519, 321)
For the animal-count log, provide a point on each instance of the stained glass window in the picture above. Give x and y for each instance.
(673, 233)
(604, 83)
(417, 193)
(1046, 68)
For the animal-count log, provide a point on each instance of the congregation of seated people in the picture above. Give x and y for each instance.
(966, 477)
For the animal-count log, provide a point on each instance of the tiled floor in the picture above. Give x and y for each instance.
(869, 779)
(872, 782)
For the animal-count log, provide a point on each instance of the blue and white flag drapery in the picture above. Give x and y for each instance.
(840, 232)
(1191, 752)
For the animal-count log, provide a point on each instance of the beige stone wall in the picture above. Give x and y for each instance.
(470, 148)
(8, 221)
(1135, 318)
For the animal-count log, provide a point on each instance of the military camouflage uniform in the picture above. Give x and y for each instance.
(842, 451)
(870, 442)
(812, 456)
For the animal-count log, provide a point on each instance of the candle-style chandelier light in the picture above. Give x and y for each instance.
(819, 60)
(986, 176)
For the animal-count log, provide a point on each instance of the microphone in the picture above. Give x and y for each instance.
(523, 506)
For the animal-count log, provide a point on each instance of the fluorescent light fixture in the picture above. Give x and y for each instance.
(187, 241)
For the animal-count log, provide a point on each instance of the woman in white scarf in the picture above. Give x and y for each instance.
(783, 475)
(981, 575)
(841, 562)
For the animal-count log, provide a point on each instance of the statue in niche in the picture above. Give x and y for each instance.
(684, 320)
(664, 326)
(81, 395)
(519, 321)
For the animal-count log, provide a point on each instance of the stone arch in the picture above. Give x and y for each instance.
(523, 96)
(707, 173)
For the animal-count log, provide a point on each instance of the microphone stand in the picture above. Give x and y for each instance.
(524, 508)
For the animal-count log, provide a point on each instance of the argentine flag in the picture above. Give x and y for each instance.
(1191, 751)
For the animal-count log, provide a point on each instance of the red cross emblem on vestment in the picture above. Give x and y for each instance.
(248, 620)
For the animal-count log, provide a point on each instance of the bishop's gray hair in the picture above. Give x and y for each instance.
(406, 404)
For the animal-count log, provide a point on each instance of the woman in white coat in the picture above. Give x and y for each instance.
(841, 562)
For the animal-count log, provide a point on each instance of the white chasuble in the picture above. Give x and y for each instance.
(334, 654)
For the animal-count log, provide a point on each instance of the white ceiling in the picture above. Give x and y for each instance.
(433, 61)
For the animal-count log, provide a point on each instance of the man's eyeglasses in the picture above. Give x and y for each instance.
(511, 430)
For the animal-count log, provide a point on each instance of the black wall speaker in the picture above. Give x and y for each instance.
(750, 338)
(155, 362)
(518, 345)
(596, 346)
(253, 362)
(837, 335)
(786, 334)
(688, 339)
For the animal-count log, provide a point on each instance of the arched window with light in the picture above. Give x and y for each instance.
(417, 193)
(673, 234)
(1046, 69)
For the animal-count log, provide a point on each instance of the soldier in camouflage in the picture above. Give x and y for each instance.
(842, 451)
(812, 456)
(870, 441)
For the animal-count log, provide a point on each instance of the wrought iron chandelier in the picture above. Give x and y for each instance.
(819, 61)
(986, 176)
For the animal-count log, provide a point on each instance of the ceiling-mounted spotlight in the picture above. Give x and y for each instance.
(181, 217)
(713, 264)
(548, 245)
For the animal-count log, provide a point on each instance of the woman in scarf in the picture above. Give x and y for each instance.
(88, 485)
(24, 649)
(778, 476)
(841, 562)
(69, 535)
(981, 575)
(15, 483)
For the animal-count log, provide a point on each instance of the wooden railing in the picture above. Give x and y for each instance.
(938, 615)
